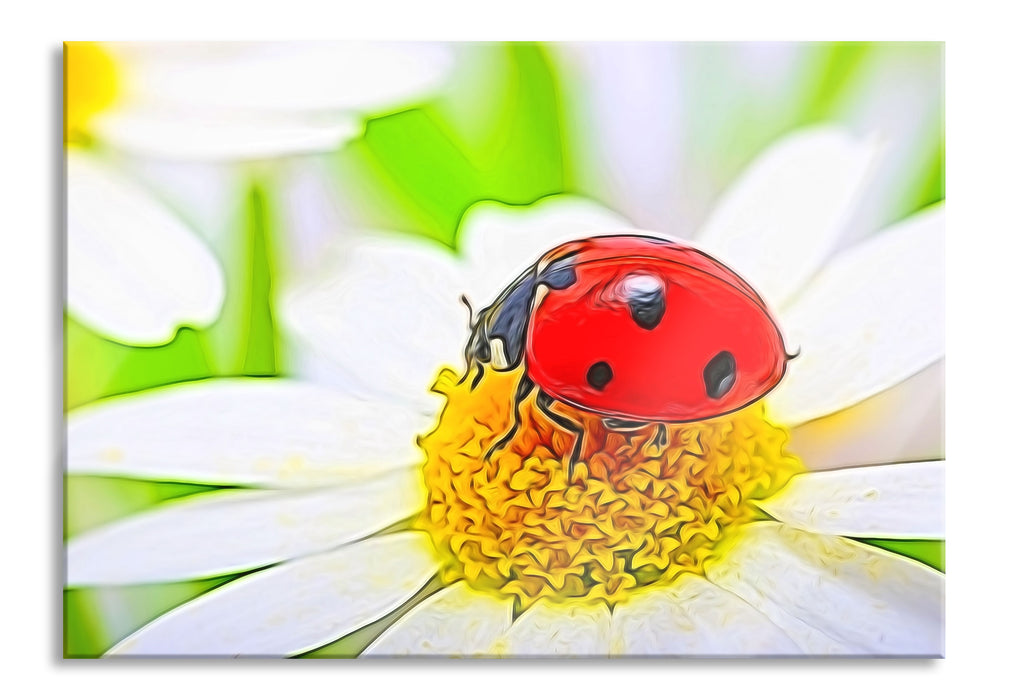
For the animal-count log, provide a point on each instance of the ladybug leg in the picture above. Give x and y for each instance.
(477, 376)
(661, 437)
(545, 404)
(525, 386)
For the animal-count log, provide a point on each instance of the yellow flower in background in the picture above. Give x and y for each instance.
(137, 268)
(236, 101)
(333, 514)
(91, 81)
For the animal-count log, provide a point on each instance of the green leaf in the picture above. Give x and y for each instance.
(97, 367)
(934, 184)
(261, 337)
(929, 552)
(91, 501)
(839, 65)
(434, 173)
(96, 619)
(243, 339)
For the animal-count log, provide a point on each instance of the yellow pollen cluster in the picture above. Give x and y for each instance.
(641, 507)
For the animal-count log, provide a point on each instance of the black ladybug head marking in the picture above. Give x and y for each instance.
(720, 374)
(646, 298)
(559, 274)
(507, 319)
(599, 375)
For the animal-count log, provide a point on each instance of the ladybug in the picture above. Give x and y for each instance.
(634, 328)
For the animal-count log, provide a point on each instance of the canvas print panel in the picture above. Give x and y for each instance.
(504, 349)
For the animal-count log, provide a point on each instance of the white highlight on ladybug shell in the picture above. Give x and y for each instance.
(637, 286)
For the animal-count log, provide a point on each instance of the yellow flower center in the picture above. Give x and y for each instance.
(91, 83)
(640, 508)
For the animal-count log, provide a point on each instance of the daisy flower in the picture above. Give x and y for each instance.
(208, 103)
(722, 540)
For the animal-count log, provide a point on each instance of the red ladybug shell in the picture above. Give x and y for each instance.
(651, 330)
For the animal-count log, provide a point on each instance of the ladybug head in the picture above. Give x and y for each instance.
(498, 335)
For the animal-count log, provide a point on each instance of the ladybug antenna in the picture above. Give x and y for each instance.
(792, 356)
(465, 302)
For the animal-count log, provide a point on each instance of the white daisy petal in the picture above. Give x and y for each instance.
(385, 315)
(189, 135)
(905, 423)
(558, 629)
(293, 607)
(895, 80)
(210, 193)
(782, 217)
(135, 271)
(291, 76)
(456, 621)
(499, 241)
(265, 432)
(651, 114)
(894, 500)
(835, 596)
(227, 531)
(629, 137)
(694, 617)
(871, 318)
(311, 212)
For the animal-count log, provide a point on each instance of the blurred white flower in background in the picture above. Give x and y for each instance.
(336, 464)
(658, 128)
(210, 103)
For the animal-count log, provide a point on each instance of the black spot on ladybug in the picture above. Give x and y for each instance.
(720, 374)
(648, 313)
(599, 375)
(646, 297)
